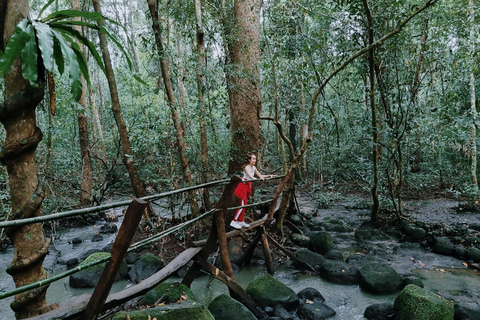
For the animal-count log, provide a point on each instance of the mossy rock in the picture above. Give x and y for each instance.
(223, 307)
(379, 278)
(415, 303)
(321, 242)
(88, 278)
(168, 293)
(190, 310)
(267, 291)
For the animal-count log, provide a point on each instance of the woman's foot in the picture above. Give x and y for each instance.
(243, 224)
(235, 224)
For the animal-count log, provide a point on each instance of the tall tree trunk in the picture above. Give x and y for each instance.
(375, 156)
(473, 127)
(152, 5)
(127, 155)
(245, 92)
(87, 171)
(201, 100)
(17, 114)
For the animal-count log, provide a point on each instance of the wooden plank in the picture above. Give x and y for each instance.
(233, 286)
(119, 251)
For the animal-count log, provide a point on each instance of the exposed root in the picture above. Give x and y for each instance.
(25, 263)
(25, 298)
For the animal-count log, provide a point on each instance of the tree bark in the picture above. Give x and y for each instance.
(17, 114)
(245, 91)
(127, 155)
(86, 184)
(375, 155)
(152, 5)
(473, 107)
(201, 100)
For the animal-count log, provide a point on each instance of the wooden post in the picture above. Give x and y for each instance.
(266, 252)
(247, 256)
(119, 250)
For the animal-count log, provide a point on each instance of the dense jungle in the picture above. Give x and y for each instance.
(343, 101)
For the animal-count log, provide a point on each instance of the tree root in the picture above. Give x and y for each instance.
(25, 298)
(14, 149)
(24, 263)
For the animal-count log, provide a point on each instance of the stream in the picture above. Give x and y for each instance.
(438, 273)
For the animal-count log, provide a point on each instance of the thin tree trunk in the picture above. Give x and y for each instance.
(473, 127)
(152, 5)
(201, 100)
(375, 156)
(86, 184)
(127, 155)
(18, 155)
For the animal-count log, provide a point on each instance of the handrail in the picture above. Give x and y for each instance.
(134, 247)
(76, 212)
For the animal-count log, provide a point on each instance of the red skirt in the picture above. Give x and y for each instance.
(243, 190)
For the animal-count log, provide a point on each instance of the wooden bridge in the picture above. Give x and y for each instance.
(90, 306)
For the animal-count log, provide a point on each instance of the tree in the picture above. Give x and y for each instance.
(245, 82)
(473, 127)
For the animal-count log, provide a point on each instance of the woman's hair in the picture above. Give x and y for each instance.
(247, 159)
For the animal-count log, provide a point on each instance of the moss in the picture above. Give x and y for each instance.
(415, 303)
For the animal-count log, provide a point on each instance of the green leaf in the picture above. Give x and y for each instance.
(14, 47)
(58, 56)
(45, 7)
(67, 14)
(29, 58)
(59, 24)
(81, 61)
(91, 47)
(119, 45)
(72, 64)
(45, 43)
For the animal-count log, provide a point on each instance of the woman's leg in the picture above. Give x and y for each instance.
(240, 214)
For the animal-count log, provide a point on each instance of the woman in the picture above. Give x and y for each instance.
(244, 189)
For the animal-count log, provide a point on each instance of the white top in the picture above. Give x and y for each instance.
(251, 171)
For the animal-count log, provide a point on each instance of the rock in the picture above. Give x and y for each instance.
(188, 309)
(311, 258)
(147, 265)
(381, 311)
(460, 251)
(167, 293)
(420, 304)
(310, 294)
(225, 308)
(132, 257)
(235, 249)
(378, 278)
(334, 225)
(334, 254)
(296, 219)
(362, 235)
(321, 242)
(283, 314)
(473, 254)
(300, 239)
(315, 311)
(72, 262)
(418, 234)
(108, 228)
(267, 291)
(443, 245)
(77, 240)
(97, 238)
(412, 280)
(467, 311)
(89, 277)
(339, 272)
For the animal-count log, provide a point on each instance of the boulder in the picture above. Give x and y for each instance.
(381, 311)
(300, 239)
(167, 293)
(315, 310)
(418, 234)
(147, 265)
(339, 272)
(321, 242)
(89, 277)
(362, 235)
(188, 309)
(334, 255)
(225, 308)
(412, 280)
(311, 258)
(420, 304)
(267, 291)
(467, 311)
(379, 278)
(310, 294)
(473, 254)
(443, 245)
